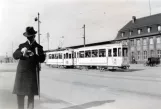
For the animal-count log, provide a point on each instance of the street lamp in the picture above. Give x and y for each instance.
(38, 19)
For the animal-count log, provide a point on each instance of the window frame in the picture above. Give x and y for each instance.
(102, 52)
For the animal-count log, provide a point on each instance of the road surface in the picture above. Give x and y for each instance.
(137, 88)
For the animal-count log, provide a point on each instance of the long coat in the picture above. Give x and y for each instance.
(26, 79)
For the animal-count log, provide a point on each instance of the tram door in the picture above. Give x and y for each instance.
(125, 55)
(114, 58)
(109, 57)
(75, 58)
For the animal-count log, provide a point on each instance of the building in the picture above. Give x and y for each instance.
(143, 37)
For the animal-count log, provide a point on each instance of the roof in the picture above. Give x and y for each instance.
(79, 46)
(144, 21)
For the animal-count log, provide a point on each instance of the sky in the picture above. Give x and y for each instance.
(103, 19)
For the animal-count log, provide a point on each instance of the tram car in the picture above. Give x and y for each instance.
(60, 58)
(110, 56)
(54, 58)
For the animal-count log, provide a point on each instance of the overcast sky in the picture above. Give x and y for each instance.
(103, 19)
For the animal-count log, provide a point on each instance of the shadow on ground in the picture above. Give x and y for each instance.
(126, 70)
(9, 100)
(90, 104)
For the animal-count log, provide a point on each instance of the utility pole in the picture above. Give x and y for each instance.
(38, 19)
(48, 35)
(12, 47)
(150, 7)
(84, 35)
(12, 51)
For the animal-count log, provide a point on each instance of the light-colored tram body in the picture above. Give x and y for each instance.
(105, 56)
(110, 56)
(61, 58)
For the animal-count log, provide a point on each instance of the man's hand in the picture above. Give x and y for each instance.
(24, 51)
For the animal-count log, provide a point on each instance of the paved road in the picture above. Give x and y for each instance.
(137, 88)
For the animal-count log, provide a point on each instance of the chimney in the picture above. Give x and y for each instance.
(133, 19)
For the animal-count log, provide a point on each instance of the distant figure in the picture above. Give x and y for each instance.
(133, 60)
(30, 54)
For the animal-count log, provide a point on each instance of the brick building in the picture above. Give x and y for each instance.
(143, 37)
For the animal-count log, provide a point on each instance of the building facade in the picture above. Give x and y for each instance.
(143, 37)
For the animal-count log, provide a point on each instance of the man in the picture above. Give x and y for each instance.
(30, 54)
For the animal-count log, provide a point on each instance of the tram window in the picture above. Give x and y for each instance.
(94, 53)
(69, 56)
(77, 54)
(66, 56)
(125, 52)
(52, 56)
(109, 52)
(81, 54)
(115, 52)
(119, 51)
(60, 56)
(102, 52)
(87, 53)
(56, 56)
(74, 54)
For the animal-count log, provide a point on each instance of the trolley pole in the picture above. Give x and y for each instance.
(84, 35)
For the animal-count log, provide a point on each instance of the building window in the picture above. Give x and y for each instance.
(158, 40)
(144, 41)
(159, 28)
(159, 53)
(145, 54)
(138, 42)
(138, 55)
(130, 32)
(132, 42)
(151, 41)
(123, 34)
(149, 29)
(152, 53)
(139, 31)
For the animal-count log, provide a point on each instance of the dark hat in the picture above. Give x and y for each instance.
(29, 32)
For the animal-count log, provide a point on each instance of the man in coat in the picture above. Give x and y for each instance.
(30, 54)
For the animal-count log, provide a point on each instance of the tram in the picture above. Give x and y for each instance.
(109, 56)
